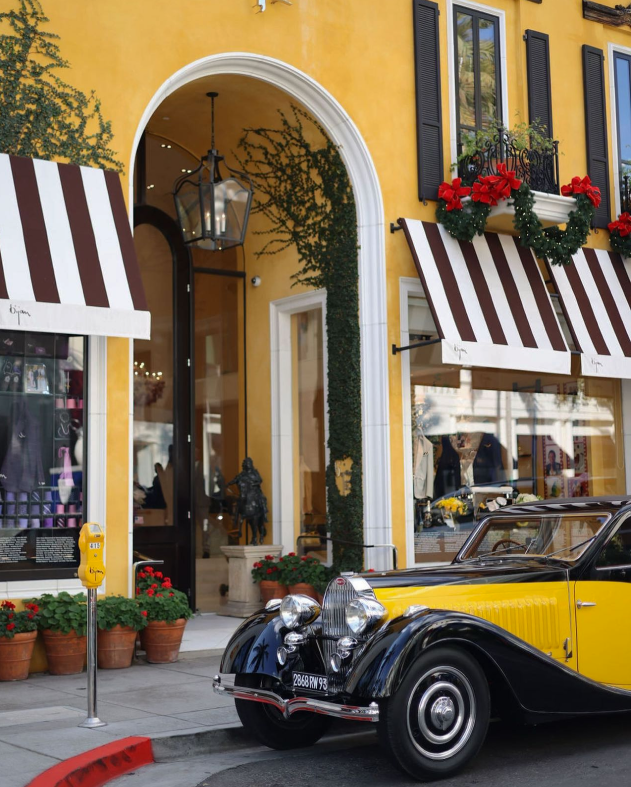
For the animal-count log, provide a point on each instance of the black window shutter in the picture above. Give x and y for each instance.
(539, 90)
(596, 129)
(429, 121)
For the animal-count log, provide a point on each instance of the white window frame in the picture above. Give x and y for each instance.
(283, 470)
(96, 461)
(623, 50)
(451, 61)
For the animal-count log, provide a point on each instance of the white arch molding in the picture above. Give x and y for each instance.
(372, 262)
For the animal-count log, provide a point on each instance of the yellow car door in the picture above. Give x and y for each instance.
(602, 603)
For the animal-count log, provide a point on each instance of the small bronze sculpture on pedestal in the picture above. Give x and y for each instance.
(252, 504)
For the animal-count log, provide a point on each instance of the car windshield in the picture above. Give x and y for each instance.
(565, 536)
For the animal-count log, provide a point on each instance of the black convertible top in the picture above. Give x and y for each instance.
(608, 503)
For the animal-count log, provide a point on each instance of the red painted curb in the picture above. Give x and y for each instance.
(96, 767)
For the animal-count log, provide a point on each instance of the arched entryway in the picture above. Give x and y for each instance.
(300, 88)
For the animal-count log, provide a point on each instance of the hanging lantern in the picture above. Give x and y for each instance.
(213, 211)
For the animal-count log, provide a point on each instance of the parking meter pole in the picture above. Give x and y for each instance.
(91, 573)
(93, 719)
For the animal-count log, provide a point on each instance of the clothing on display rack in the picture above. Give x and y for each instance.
(448, 477)
(423, 457)
(22, 469)
(488, 467)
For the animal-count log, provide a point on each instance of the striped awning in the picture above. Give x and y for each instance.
(595, 296)
(67, 258)
(488, 299)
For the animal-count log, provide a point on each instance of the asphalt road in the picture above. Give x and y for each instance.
(590, 752)
(594, 752)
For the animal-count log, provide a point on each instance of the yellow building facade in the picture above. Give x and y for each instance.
(258, 342)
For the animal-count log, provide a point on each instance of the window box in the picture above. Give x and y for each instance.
(550, 208)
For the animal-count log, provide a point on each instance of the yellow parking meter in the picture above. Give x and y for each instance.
(91, 546)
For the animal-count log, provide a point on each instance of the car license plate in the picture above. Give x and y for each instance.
(305, 680)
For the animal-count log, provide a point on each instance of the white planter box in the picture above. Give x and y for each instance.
(550, 208)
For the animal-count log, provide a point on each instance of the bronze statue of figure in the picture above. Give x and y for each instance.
(252, 505)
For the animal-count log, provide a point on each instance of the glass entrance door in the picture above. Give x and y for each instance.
(218, 428)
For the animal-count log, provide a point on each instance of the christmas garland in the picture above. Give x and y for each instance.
(620, 238)
(464, 221)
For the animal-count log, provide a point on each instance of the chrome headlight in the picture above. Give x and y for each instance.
(296, 611)
(363, 614)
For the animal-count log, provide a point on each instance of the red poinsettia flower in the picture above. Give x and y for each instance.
(622, 225)
(582, 186)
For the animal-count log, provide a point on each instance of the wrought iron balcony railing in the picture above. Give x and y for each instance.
(540, 170)
(625, 194)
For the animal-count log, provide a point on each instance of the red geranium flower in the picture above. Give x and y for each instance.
(158, 594)
(10, 615)
(154, 585)
(622, 225)
(150, 592)
(171, 594)
(149, 570)
(158, 574)
(8, 604)
(30, 616)
(291, 554)
(304, 557)
(142, 574)
(257, 565)
(269, 571)
(167, 584)
(269, 557)
(10, 626)
(144, 613)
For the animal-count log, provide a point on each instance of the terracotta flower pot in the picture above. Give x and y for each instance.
(270, 590)
(115, 647)
(15, 655)
(304, 589)
(161, 641)
(65, 653)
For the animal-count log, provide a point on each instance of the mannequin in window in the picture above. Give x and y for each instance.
(448, 477)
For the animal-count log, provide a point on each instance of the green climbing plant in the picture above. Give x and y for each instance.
(41, 115)
(304, 192)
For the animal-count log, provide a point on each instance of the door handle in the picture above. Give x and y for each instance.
(581, 604)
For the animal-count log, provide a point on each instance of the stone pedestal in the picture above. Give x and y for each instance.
(244, 596)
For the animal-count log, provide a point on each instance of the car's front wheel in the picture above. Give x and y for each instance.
(437, 720)
(271, 728)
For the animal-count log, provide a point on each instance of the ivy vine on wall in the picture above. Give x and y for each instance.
(303, 190)
(41, 115)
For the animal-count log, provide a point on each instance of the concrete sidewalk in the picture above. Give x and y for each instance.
(39, 716)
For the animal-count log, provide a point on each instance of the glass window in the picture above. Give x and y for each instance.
(623, 106)
(219, 426)
(477, 70)
(564, 536)
(153, 386)
(481, 436)
(310, 494)
(42, 453)
(617, 551)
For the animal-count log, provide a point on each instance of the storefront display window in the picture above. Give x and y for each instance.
(482, 437)
(43, 454)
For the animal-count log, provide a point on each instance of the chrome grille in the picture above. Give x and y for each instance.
(338, 594)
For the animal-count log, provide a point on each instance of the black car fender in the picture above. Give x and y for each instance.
(536, 682)
(252, 648)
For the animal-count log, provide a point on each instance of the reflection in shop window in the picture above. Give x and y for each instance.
(309, 445)
(480, 437)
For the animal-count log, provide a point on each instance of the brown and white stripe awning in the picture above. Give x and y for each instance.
(67, 258)
(488, 299)
(595, 296)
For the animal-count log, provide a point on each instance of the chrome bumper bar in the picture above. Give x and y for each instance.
(224, 685)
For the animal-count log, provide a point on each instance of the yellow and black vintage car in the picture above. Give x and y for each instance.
(529, 622)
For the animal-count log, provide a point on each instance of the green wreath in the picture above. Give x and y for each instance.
(620, 238)
(464, 221)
